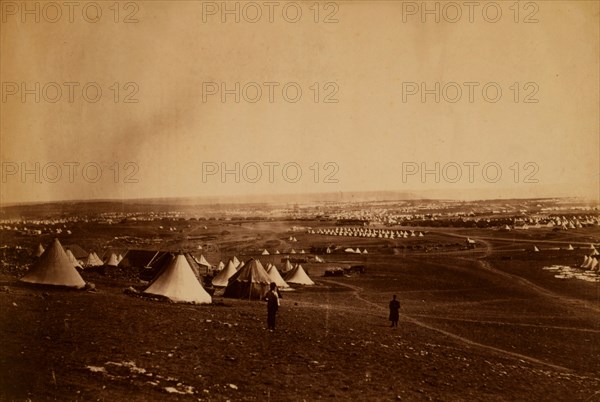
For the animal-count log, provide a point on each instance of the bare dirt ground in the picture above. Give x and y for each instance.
(474, 326)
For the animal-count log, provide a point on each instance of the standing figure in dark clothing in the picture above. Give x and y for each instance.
(394, 311)
(272, 298)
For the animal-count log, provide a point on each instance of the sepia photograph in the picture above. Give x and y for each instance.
(347, 200)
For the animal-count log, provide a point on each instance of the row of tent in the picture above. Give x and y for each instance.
(175, 280)
(570, 222)
(292, 251)
(362, 232)
(92, 259)
(570, 248)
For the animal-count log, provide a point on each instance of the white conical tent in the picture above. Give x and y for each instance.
(119, 258)
(92, 261)
(222, 278)
(89, 261)
(112, 260)
(365, 251)
(276, 277)
(594, 251)
(39, 250)
(265, 252)
(536, 249)
(298, 276)
(54, 268)
(98, 258)
(178, 283)
(202, 261)
(593, 264)
(293, 251)
(236, 262)
(570, 247)
(250, 282)
(287, 267)
(276, 251)
(220, 266)
(72, 259)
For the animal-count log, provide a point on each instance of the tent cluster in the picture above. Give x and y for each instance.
(36, 231)
(176, 276)
(367, 232)
(588, 270)
(251, 280)
(81, 259)
(175, 281)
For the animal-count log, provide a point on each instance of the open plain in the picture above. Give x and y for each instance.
(477, 323)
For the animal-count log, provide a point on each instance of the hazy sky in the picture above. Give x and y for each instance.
(369, 74)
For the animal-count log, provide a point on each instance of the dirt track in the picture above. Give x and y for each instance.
(357, 291)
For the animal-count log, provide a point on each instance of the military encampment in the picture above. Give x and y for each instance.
(470, 291)
(300, 201)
